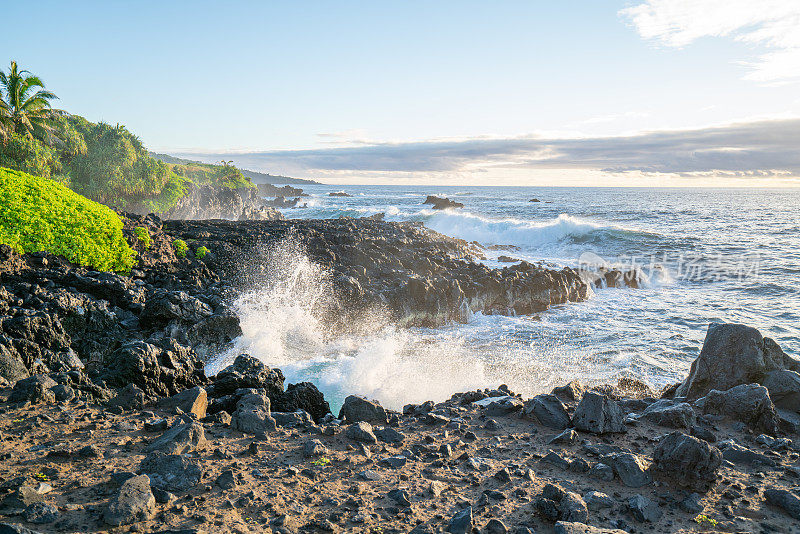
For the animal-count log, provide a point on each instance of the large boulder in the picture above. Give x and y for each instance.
(252, 415)
(303, 396)
(748, 403)
(193, 400)
(35, 389)
(180, 439)
(171, 472)
(12, 368)
(732, 355)
(548, 410)
(784, 389)
(598, 414)
(247, 372)
(133, 503)
(690, 461)
(357, 408)
(670, 413)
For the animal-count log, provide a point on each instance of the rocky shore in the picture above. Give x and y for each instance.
(108, 422)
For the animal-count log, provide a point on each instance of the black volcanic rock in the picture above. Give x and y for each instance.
(440, 203)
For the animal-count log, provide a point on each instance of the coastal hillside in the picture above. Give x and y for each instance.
(255, 177)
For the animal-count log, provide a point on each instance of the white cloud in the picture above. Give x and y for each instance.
(773, 25)
(750, 149)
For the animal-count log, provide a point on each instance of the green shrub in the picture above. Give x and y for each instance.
(40, 215)
(201, 252)
(143, 236)
(181, 248)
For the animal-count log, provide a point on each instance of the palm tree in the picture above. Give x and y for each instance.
(25, 104)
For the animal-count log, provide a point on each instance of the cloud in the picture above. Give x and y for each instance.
(771, 24)
(759, 148)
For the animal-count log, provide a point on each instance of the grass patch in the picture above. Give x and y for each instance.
(40, 215)
(201, 252)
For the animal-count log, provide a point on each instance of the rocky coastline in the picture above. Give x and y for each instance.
(108, 422)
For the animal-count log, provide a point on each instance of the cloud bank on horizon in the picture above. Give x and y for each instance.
(767, 148)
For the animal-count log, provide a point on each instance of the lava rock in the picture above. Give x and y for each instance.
(548, 410)
(598, 414)
(748, 403)
(194, 400)
(171, 472)
(362, 432)
(133, 503)
(690, 461)
(356, 409)
(180, 439)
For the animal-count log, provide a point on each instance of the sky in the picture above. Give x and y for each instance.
(637, 93)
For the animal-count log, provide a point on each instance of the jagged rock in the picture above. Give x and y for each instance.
(598, 414)
(133, 503)
(602, 471)
(252, 415)
(171, 472)
(571, 392)
(630, 469)
(314, 448)
(400, 496)
(303, 396)
(440, 203)
(388, 434)
(566, 527)
(158, 370)
(504, 406)
(12, 368)
(495, 526)
(732, 355)
(643, 509)
(40, 513)
(742, 455)
(247, 372)
(356, 408)
(180, 439)
(35, 389)
(462, 522)
(556, 459)
(669, 413)
(784, 389)
(596, 500)
(226, 480)
(361, 431)
(748, 403)
(300, 418)
(690, 461)
(691, 504)
(548, 410)
(130, 397)
(785, 500)
(573, 508)
(194, 400)
(21, 498)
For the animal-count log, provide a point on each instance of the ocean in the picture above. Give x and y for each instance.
(709, 255)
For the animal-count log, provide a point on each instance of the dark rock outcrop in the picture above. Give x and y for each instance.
(440, 203)
(732, 355)
(690, 461)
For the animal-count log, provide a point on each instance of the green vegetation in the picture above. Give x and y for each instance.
(105, 163)
(181, 248)
(143, 236)
(40, 215)
(704, 520)
(201, 252)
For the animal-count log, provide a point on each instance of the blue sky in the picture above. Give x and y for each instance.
(347, 82)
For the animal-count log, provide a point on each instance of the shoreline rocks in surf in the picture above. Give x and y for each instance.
(440, 203)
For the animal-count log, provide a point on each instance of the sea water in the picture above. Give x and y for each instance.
(708, 254)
